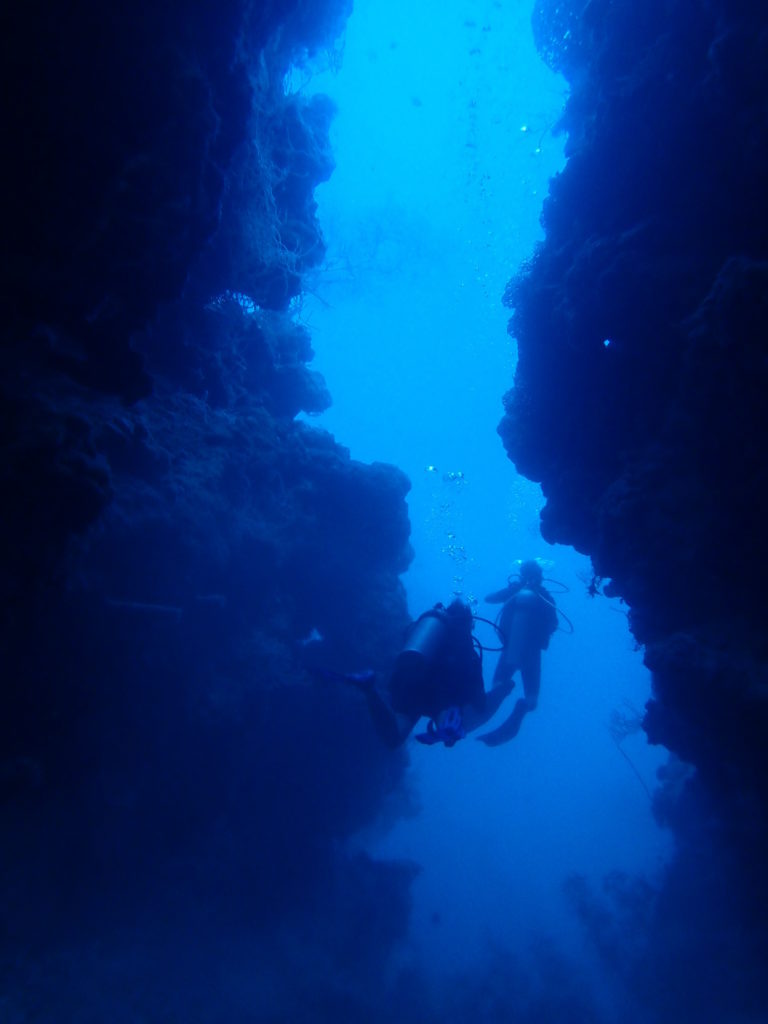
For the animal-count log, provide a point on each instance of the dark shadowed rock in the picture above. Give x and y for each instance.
(639, 405)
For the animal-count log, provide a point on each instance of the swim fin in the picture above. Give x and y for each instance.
(449, 731)
(508, 728)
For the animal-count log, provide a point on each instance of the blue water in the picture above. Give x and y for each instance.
(444, 148)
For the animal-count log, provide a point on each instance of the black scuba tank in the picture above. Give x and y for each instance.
(424, 645)
(426, 635)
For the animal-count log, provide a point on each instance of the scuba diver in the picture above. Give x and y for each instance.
(437, 675)
(526, 622)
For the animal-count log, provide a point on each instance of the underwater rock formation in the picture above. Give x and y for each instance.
(177, 550)
(639, 404)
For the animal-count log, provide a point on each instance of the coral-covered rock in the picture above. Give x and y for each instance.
(638, 403)
(179, 553)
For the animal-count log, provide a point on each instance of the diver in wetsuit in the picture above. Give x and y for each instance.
(527, 621)
(437, 675)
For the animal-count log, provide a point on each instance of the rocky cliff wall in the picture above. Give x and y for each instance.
(177, 549)
(639, 405)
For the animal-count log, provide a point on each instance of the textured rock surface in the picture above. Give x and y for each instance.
(177, 550)
(639, 405)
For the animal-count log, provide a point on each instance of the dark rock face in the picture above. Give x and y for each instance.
(639, 404)
(177, 550)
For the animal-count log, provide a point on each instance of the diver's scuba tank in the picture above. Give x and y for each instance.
(518, 621)
(427, 634)
(423, 646)
(521, 616)
(527, 598)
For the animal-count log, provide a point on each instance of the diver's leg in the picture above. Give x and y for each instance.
(530, 670)
(531, 673)
(505, 669)
(473, 719)
(393, 728)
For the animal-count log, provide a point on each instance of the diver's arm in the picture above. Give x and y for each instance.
(500, 595)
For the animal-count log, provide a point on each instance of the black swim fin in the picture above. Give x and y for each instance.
(508, 728)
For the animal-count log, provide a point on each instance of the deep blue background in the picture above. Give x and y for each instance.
(444, 148)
